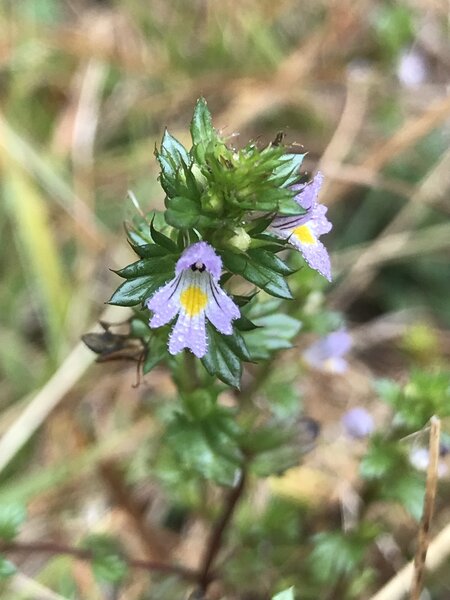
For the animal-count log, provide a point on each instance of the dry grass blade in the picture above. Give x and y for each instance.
(439, 549)
(50, 395)
(433, 187)
(430, 495)
(413, 131)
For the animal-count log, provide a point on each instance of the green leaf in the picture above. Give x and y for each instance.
(136, 291)
(270, 260)
(109, 568)
(184, 213)
(274, 332)
(287, 172)
(261, 224)
(205, 446)
(154, 266)
(107, 562)
(171, 146)
(285, 595)
(156, 352)
(162, 240)
(202, 130)
(173, 159)
(408, 488)
(381, 458)
(11, 518)
(336, 554)
(265, 278)
(7, 568)
(148, 250)
(224, 356)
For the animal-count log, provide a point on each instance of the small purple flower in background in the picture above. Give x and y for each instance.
(303, 231)
(420, 458)
(412, 68)
(327, 353)
(194, 295)
(358, 422)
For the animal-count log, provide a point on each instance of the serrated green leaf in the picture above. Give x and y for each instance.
(148, 250)
(202, 130)
(174, 148)
(12, 515)
(7, 568)
(274, 332)
(265, 278)
(135, 291)
(224, 356)
(287, 173)
(162, 240)
(184, 213)
(204, 448)
(244, 324)
(155, 266)
(270, 260)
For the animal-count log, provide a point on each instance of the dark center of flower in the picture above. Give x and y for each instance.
(198, 266)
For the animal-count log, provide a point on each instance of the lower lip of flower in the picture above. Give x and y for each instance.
(303, 234)
(193, 300)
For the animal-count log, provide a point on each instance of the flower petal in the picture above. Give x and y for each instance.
(313, 251)
(200, 252)
(318, 221)
(307, 198)
(221, 309)
(189, 332)
(165, 303)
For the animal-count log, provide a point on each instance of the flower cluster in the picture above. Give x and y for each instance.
(228, 213)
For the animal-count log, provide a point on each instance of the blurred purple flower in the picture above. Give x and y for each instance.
(412, 68)
(420, 458)
(327, 353)
(358, 422)
(195, 295)
(303, 231)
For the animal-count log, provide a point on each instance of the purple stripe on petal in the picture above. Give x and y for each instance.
(200, 252)
(221, 309)
(189, 332)
(283, 226)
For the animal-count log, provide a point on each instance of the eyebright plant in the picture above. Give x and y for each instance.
(229, 214)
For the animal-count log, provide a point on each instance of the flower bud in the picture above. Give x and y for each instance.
(240, 240)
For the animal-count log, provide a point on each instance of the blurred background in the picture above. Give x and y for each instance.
(86, 90)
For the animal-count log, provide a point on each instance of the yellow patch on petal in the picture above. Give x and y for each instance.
(304, 234)
(193, 300)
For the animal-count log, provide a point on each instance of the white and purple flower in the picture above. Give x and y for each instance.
(303, 231)
(195, 295)
(327, 354)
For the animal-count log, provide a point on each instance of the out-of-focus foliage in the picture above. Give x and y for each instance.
(86, 92)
